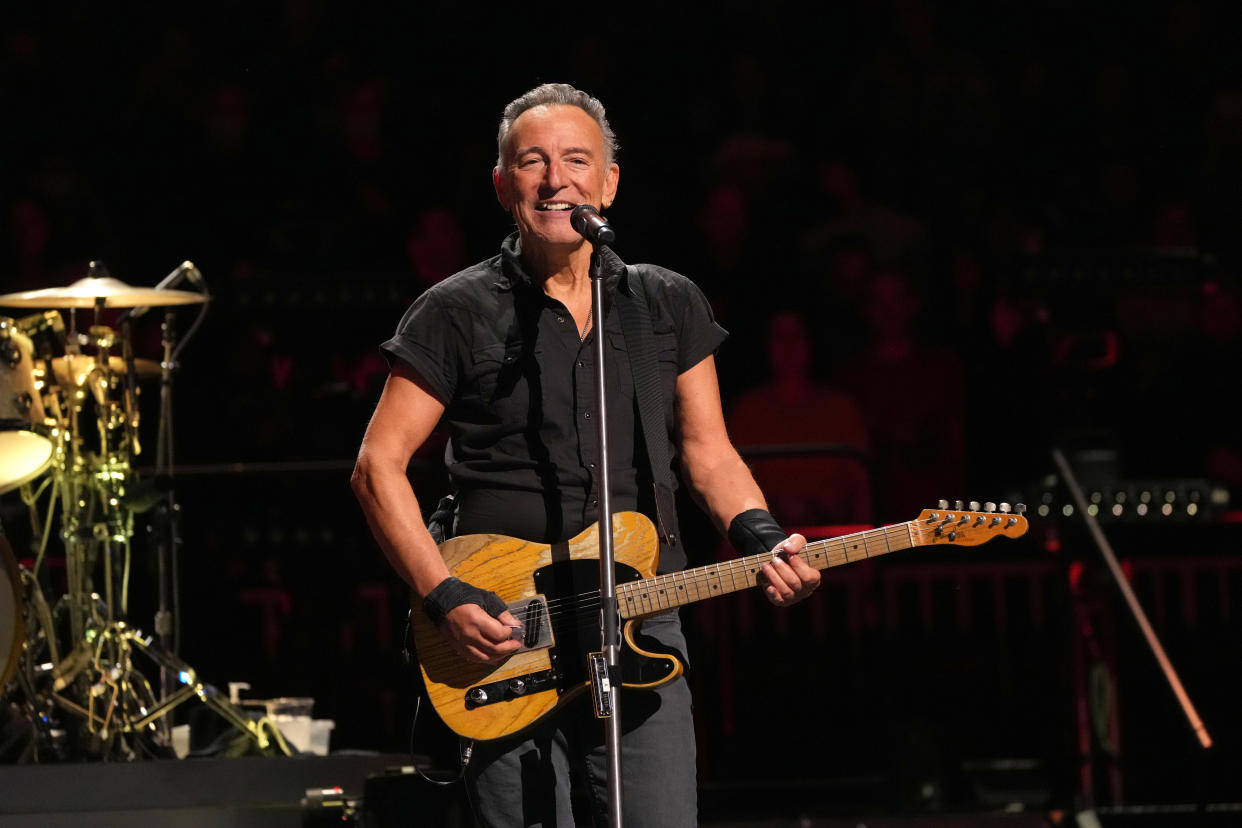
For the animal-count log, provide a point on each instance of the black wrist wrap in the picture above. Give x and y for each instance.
(755, 532)
(452, 593)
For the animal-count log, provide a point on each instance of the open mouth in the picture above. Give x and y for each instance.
(553, 206)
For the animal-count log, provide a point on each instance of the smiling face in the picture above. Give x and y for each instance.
(555, 161)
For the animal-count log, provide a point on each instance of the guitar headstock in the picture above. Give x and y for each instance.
(968, 527)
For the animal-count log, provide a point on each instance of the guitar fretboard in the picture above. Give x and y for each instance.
(676, 589)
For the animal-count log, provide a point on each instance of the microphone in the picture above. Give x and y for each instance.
(183, 271)
(592, 226)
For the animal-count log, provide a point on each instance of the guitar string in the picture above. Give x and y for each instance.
(582, 605)
(705, 576)
(712, 574)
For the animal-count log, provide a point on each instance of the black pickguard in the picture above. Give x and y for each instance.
(570, 587)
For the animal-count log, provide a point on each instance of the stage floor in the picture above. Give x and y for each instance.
(377, 790)
(245, 792)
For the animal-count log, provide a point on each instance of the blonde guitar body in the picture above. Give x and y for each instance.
(554, 592)
(554, 576)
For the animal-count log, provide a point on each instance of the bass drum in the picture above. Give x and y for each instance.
(12, 629)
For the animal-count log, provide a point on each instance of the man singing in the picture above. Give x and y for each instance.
(502, 354)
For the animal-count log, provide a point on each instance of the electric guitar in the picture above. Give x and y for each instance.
(553, 590)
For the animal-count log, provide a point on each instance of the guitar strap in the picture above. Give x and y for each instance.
(635, 314)
(440, 522)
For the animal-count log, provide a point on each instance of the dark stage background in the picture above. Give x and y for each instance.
(991, 229)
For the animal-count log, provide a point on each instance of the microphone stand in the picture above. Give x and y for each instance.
(166, 521)
(606, 677)
(1136, 609)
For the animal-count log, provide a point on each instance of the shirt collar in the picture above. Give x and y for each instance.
(513, 271)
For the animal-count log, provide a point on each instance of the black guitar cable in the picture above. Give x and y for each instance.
(467, 748)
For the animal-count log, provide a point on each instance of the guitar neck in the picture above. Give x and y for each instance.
(676, 589)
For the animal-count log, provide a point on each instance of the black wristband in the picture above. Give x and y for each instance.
(453, 592)
(755, 532)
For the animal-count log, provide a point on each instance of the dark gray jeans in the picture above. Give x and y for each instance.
(556, 775)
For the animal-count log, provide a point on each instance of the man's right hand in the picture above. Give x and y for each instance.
(478, 636)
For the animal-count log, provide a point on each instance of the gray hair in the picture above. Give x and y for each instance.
(555, 94)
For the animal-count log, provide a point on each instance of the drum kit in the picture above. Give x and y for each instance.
(70, 657)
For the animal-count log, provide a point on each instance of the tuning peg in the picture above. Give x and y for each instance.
(1004, 507)
(942, 504)
(974, 505)
(957, 504)
(989, 506)
(1019, 508)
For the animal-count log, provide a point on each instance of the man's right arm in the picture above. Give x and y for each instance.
(404, 418)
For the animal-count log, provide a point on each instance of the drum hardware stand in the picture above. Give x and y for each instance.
(95, 678)
(121, 685)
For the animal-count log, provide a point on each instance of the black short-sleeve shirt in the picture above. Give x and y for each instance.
(518, 387)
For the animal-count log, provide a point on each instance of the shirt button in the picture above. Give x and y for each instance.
(581, 364)
(592, 465)
(594, 502)
(587, 415)
(560, 319)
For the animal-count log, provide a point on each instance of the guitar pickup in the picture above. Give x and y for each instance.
(535, 631)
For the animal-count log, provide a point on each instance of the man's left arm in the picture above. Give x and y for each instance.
(722, 484)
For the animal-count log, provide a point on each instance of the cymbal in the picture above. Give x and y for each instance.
(100, 290)
(73, 371)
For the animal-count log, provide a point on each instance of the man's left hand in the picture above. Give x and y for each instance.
(790, 578)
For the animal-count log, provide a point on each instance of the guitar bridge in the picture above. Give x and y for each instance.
(536, 629)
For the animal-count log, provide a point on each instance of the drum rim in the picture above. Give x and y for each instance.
(39, 468)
